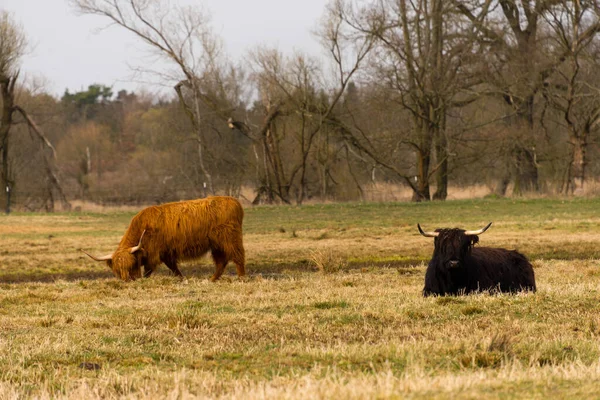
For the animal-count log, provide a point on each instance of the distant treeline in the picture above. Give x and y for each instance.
(425, 94)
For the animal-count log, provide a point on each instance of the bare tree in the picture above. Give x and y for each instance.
(573, 90)
(419, 65)
(517, 63)
(13, 46)
(291, 88)
(181, 36)
(274, 93)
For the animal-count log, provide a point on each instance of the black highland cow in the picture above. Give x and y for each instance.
(457, 267)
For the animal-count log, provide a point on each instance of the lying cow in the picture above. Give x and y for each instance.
(172, 232)
(457, 267)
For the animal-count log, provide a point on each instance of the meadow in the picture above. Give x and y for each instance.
(332, 308)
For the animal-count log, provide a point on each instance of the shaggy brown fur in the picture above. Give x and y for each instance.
(180, 231)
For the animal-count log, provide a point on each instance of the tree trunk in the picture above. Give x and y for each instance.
(421, 191)
(577, 137)
(438, 111)
(525, 170)
(441, 175)
(577, 166)
(426, 132)
(5, 181)
(441, 191)
(5, 176)
(7, 85)
(421, 194)
(502, 186)
(525, 173)
(274, 156)
(195, 118)
(201, 141)
(305, 151)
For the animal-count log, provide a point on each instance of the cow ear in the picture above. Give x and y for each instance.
(474, 240)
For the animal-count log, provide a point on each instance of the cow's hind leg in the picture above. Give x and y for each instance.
(221, 261)
(174, 269)
(235, 250)
(171, 263)
(228, 239)
(239, 258)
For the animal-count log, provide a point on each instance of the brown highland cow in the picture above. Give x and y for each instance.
(178, 231)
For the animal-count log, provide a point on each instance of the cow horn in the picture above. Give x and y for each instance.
(427, 234)
(139, 246)
(479, 232)
(103, 258)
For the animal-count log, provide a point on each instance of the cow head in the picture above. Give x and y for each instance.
(452, 245)
(125, 262)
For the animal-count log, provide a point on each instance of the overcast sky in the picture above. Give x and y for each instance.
(70, 51)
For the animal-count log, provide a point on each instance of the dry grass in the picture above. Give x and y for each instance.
(327, 261)
(362, 330)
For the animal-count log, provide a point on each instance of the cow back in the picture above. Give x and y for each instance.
(496, 268)
(182, 228)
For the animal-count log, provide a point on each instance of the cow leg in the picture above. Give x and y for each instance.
(241, 268)
(232, 244)
(235, 251)
(221, 261)
(171, 263)
(239, 258)
(148, 270)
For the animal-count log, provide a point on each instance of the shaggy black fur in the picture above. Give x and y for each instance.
(457, 267)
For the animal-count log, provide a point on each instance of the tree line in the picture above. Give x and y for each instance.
(422, 94)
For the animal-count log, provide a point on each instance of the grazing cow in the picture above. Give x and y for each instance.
(457, 267)
(178, 231)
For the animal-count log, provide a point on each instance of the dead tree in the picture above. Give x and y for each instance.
(12, 47)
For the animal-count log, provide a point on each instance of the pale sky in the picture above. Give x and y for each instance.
(70, 52)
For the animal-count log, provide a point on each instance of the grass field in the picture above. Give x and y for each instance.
(332, 308)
